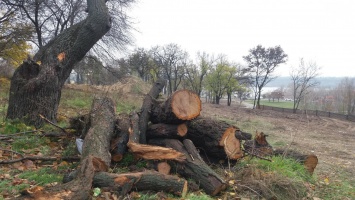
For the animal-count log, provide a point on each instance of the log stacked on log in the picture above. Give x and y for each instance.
(173, 128)
(216, 138)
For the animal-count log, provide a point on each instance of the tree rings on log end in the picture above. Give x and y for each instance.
(231, 144)
(185, 104)
(164, 168)
(182, 129)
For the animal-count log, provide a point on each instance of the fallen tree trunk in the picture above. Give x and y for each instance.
(309, 161)
(172, 131)
(194, 167)
(215, 138)
(97, 140)
(259, 146)
(181, 106)
(147, 180)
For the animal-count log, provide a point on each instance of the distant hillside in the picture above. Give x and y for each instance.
(328, 82)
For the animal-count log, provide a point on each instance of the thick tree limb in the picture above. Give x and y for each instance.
(194, 167)
(147, 180)
(146, 108)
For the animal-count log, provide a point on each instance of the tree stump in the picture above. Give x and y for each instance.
(215, 138)
(181, 106)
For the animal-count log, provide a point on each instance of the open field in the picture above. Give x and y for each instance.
(331, 140)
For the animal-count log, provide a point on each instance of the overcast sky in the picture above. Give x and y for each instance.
(322, 31)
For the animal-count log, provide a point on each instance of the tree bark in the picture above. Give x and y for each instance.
(181, 106)
(36, 88)
(97, 140)
(194, 167)
(216, 138)
(259, 146)
(146, 108)
(120, 139)
(147, 180)
(171, 131)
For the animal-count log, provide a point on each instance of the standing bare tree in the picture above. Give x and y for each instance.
(51, 17)
(261, 64)
(345, 93)
(303, 78)
(36, 85)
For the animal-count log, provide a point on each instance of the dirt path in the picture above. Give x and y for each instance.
(332, 140)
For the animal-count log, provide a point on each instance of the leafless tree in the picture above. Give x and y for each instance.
(172, 60)
(51, 17)
(303, 78)
(346, 95)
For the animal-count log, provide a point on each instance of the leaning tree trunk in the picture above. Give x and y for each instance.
(36, 84)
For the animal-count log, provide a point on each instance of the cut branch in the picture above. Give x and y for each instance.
(146, 108)
(194, 167)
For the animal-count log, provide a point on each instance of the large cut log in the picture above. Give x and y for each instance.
(194, 167)
(147, 180)
(309, 161)
(259, 146)
(148, 101)
(97, 140)
(182, 105)
(216, 138)
(172, 131)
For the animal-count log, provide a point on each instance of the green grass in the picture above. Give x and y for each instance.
(76, 99)
(42, 176)
(279, 179)
(125, 107)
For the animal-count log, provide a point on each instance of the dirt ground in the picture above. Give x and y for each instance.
(332, 140)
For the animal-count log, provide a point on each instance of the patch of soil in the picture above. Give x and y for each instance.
(332, 140)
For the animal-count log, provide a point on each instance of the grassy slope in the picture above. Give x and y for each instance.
(250, 178)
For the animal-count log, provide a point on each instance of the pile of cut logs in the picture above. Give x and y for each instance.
(171, 134)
